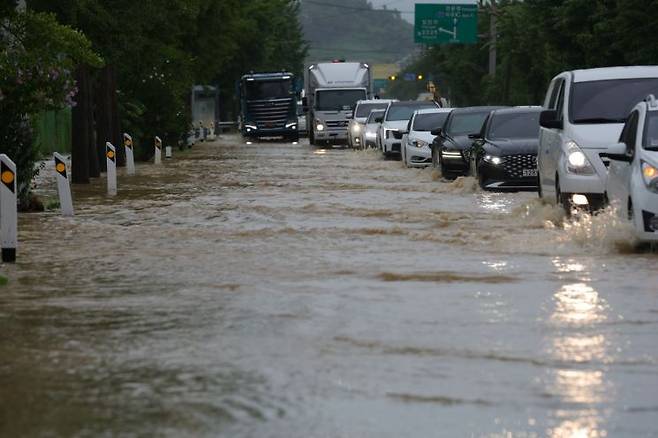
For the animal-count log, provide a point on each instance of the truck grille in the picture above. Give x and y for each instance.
(337, 123)
(270, 113)
(515, 164)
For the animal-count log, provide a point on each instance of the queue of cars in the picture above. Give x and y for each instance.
(594, 142)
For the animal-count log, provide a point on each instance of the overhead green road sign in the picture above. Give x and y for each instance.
(446, 24)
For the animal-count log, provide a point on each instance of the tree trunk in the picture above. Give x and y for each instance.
(104, 114)
(80, 134)
(117, 135)
(94, 165)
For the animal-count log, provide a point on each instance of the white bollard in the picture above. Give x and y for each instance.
(111, 154)
(168, 152)
(158, 150)
(130, 155)
(8, 209)
(63, 186)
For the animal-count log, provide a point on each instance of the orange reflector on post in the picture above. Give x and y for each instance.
(8, 177)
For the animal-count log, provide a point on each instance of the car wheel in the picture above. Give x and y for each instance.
(444, 169)
(561, 198)
(629, 211)
(480, 177)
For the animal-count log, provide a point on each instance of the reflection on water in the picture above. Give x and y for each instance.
(578, 306)
(578, 303)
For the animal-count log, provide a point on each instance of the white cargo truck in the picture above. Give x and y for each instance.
(332, 90)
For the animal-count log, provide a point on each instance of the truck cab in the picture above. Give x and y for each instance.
(332, 91)
(268, 106)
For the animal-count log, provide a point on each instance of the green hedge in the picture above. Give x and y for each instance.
(53, 132)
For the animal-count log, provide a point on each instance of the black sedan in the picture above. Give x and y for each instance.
(452, 144)
(504, 154)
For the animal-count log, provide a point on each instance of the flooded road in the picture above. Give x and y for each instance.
(277, 290)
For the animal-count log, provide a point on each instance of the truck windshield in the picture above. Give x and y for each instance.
(261, 90)
(516, 125)
(428, 122)
(466, 123)
(364, 109)
(608, 101)
(338, 100)
(404, 112)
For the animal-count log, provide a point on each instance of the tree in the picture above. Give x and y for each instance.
(36, 65)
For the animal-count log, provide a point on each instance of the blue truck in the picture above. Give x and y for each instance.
(268, 106)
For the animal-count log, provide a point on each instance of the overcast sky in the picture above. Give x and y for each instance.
(408, 5)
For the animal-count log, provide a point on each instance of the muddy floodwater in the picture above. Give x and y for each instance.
(279, 290)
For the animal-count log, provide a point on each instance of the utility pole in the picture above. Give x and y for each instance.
(493, 37)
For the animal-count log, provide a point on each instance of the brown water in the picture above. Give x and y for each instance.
(276, 290)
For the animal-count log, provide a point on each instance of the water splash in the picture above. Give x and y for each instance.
(540, 214)
(465, 184)
(605, 231)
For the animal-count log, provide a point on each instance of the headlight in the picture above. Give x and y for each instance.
(650, 176)
(356, 128)
(577, 161)
(292, 125)
(420, 143)
(493, 159)
(250, 127)
(319, 126)
(371, 134)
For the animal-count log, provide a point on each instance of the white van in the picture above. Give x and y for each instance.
(584, 112)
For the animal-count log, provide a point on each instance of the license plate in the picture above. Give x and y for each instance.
(269, 124)
(529, 172)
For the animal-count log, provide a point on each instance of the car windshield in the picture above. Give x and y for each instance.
(338, 100)
(364, 109)
(651, 131)
(608, 101)
(428, 122)
(466, 123)
(513, 126)
(261, 90)
(373, 115)
(404, 112)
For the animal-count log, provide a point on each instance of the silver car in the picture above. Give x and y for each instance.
(417, 138)
(358, 122)
(369, 139)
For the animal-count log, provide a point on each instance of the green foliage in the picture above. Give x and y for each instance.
(37, 56)
(538, 39)
(161, 48)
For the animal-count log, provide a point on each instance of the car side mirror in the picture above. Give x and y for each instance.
(305, 103)
(379, 119)
(437, 132)
(398, 134)
(617, 152)
(548, 119)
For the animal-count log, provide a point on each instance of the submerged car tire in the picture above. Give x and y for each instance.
(629, 212)
(561, 198)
